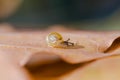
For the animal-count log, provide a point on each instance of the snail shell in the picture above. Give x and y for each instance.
(54, 39)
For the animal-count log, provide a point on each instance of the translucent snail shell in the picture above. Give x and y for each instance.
(54, 39)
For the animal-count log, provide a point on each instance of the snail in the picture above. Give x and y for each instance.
(55, 40)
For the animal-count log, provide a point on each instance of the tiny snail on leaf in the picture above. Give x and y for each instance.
(55, 40)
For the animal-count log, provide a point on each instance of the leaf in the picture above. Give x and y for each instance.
(9, 70)
(102, 69)
(115, 45)
(30, 48)
(94, 43)
(52, 71)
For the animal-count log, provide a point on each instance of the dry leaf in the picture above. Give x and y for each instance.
(94, 46)
(52, 71)
(103, 69)
(42, 59)
(26, 47)
(94, 43)
(115, 45)
(9, 70)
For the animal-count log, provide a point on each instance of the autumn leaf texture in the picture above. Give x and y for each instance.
(26, 54)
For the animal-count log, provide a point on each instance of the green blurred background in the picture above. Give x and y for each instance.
(81, 14)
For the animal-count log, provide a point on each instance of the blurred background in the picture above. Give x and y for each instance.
(79, 14)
